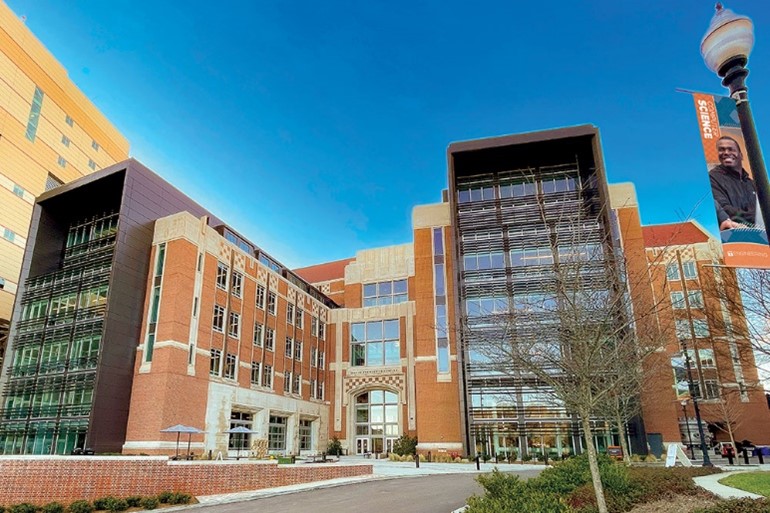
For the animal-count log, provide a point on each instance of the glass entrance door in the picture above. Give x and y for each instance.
(362, 445)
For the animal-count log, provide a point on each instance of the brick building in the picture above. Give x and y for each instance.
(141, 310)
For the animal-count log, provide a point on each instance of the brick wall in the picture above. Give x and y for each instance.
(40, 480)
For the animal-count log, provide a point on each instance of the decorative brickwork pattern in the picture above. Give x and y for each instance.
(41, 480)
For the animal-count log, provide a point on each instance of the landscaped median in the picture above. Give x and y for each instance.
(44, 479)
(567, 488)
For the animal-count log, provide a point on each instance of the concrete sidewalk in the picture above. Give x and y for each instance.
(712, 484)
(381, 469)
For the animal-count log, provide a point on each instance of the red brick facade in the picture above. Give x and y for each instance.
(39, 480)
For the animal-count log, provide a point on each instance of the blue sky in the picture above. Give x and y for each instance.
(313, 128)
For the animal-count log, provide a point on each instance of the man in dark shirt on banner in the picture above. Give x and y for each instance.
(734, 194)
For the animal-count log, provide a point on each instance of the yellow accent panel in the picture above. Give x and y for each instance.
(6, 304)
(38, 64)
(15, 212)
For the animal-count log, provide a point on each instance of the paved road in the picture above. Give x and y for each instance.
(430, 494)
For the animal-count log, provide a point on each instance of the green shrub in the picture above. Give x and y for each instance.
(2, 509)
(180, 498)
(53, 507)
(165, 497)
(334, 447)
(405, 444)
(506, 493)
(134, 501)
(80, 507)
(149, 503)
(101, 502)
(738, 506)
(116, 504)
(23, 507)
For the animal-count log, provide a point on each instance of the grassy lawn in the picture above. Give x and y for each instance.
(754, 482)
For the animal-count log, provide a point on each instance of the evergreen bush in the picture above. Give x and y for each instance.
(80, 507)
(23, 507)
(149, 503)
(53, 507)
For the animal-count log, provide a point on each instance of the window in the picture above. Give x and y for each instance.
(483, 261)
(320, 394)
(516, 187)
(219, 318)
(298, 318)
(290, 313)
(259, 332)
(8, 234)
(234, 325)
(255, 373)
(272, 303)
(479, 307)
(261, 297)
(320, 359)
(305, 434)
(240, 441)
(216, 362)
(677, 300)
(313, 388)
(321, 330)
(34, 114)
(287, 381)
(65, 141)
(672, 271)
(231, 363)
(690, 270)
(270, 339)
(2, 283)
(276, 433)
(707, 358)
(297, 388)
(222, 275)
(298, 350)
(95, 145)
(92, 164)
(377, 414)
(61, 161)
(682, 329)
(313, 356)
(237, 284)
(375, 343)
(385, 293)
(476, 193)
(701, 328)
(289, 349)
(313, 326)
(18, 190)
(538, 256)
(695, 298)
(267, 376)
(69, 120)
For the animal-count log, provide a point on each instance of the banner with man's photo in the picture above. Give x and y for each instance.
(744, 239)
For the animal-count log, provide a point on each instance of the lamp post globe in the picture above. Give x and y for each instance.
(729, 36)
(725, 49)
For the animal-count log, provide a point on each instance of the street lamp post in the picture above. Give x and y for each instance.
(688, 366)
(687, 424)
(725, 49)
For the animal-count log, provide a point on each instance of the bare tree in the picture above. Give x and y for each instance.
(575, 336)
(743, 312)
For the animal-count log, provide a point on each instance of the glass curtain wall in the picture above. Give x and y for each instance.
(514, 227)
(49, 393)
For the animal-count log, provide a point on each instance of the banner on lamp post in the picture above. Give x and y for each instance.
(743, 235)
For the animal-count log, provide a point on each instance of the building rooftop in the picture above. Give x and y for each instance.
(673, 234)
(324, 272)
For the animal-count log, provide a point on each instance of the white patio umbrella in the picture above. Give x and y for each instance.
(240, 430)
(179, 429)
